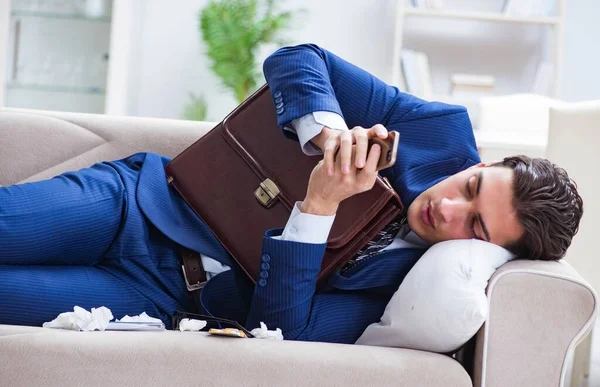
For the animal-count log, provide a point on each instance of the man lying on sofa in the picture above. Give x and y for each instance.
(112, 234)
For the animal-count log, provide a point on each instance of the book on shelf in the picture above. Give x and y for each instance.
(472, 85)
(416, 73)
(544, 79)
(424, 75)
(473, 80)
(409, 71)
(527, 8)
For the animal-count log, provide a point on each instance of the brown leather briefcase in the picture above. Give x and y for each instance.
(244, 177)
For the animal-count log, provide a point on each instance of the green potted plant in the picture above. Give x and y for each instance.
(233, 31)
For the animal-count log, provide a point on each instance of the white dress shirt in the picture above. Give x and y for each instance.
(309, 228)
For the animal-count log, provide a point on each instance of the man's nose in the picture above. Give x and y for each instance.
(453, 209)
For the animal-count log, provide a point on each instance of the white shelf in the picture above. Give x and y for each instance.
(54, 15)
(553, 50)
(481, 16)
(56, 88)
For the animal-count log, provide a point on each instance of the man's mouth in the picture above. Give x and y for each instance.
(426, 215)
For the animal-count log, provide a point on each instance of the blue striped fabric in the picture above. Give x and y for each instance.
(436, 139)
(80, 239)
(109, 235)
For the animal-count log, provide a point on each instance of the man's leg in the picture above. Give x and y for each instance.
(70, 219)
(32, 295)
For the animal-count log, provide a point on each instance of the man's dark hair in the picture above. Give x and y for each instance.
(547, 205)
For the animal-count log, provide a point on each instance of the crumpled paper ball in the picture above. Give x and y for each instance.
(82, 320)
(191, 325)
(264, 333)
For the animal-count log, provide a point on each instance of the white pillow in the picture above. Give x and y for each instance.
(441, 303)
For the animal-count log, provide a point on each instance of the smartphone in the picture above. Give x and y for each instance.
(389, 149)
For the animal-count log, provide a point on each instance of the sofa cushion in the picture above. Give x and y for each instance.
(49, 357)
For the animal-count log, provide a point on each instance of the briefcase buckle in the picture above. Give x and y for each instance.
(267, 193)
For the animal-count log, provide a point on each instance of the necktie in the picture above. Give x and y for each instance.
(383, 239)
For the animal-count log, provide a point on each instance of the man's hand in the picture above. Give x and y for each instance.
(325, 192)
(342, 142)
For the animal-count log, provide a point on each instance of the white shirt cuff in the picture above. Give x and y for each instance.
(306, 228)
(212, 267)
(309, 126)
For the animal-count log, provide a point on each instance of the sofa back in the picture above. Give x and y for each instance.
(36, 145)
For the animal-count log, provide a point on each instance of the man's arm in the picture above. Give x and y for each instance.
(311, 126)
(307, 78)
(283, 295)
(326, 132)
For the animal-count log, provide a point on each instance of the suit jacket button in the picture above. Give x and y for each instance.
(279, 105)
(262, 282)
(265, 266)
(277, 94)
(280, 110)
(278, 99)
(266, 258)
(264, 274)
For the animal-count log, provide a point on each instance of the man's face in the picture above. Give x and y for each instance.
(474, 203)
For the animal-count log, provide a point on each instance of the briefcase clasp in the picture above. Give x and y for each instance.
(267, 193)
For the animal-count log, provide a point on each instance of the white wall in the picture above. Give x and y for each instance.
(123, 72)
(581, 68)
(171, 62)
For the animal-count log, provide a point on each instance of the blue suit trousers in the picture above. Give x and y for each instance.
(81, 239)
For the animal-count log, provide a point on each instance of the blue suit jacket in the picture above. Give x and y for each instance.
(436, 142)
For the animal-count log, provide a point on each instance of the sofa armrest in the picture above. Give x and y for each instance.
(539, 312)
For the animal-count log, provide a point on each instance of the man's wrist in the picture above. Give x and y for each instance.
(318, 207)
(319, 140)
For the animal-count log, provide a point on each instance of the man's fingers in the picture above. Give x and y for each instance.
(331, 148)
(340, 149)
(362, 146)
(372, 159)
(346, 141)
(379, 131)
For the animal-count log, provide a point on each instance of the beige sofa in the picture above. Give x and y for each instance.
(539, 310)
